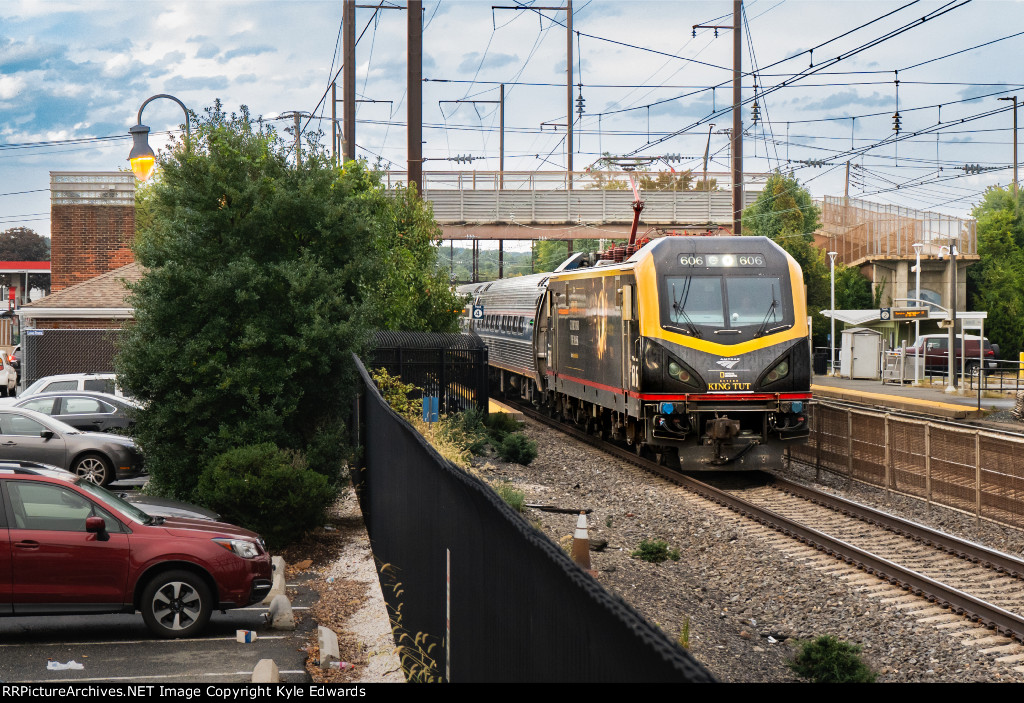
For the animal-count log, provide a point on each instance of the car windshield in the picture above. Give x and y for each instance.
(116, 502)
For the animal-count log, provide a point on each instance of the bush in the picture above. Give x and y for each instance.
(655, 551)
(396, 394)
(268, 490)
(829, 660)
(500, 425)
(517, 448)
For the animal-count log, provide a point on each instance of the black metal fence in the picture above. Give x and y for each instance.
(46, 352)
(451, 367)
(475, 592)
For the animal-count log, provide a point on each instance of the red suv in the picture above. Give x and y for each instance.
(69, 547)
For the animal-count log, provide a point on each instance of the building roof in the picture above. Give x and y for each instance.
(106, 292)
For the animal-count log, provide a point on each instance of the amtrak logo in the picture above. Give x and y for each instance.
(727, 363)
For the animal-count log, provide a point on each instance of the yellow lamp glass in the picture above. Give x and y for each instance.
(142, 166)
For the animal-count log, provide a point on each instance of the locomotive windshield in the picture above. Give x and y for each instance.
(741, 305)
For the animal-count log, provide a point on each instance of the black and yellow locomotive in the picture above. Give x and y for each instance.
(695, 347)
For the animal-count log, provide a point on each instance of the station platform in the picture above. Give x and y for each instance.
(928, 399)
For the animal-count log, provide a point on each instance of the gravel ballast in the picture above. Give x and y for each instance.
(748, 593)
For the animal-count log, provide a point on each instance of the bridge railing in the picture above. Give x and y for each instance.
(577, 180)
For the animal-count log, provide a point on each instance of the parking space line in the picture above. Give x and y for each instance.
(154, 676)
(85, 644)
(294, 607)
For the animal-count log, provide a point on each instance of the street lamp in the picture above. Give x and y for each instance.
(917, 322)
(952, 251)
(142, 158)
(832, 337)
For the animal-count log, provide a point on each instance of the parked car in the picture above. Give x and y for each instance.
(101, 382)
(100, 457)
(934, 349)
(83, 410)
(92, 552)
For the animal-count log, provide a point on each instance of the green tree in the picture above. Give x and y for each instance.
(261, 280)
(996, 283)
(783, 209)
(785, 213)
(24, 244)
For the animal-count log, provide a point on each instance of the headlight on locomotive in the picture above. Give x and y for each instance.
(780, 371)
(678, 371)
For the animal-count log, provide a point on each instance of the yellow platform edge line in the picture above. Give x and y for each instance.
(894, 400)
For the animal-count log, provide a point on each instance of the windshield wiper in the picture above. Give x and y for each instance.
(677, 306)
(764, 323)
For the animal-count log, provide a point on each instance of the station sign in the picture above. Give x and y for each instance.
(478, 312)
(910, 313)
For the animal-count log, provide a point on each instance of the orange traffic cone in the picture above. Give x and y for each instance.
(581, 544)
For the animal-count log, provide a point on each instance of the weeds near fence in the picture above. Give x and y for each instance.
(415, 652)
(830, 660)
(655, 551)
(508, 493)
(684, 634)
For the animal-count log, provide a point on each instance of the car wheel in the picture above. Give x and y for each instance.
(95, 468)
(176, 604)
(971, 368)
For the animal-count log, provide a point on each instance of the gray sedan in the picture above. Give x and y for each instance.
(31, 436)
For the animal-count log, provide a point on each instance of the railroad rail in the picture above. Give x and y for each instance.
(992, 616)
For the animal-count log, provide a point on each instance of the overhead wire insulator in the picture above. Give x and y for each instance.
(896, 122)
(755, 113)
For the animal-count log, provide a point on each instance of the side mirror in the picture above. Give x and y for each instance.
(46, 434)
(97, 526)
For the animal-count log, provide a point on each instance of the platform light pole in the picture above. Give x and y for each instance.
(917, 322)
(832, 314)
(951, 352)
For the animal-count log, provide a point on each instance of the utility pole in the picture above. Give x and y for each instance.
(737, 120)
(1014, 99)
(348, 21)
(414, 80)
(568, 92)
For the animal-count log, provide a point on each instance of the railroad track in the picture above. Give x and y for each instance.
(968, 579)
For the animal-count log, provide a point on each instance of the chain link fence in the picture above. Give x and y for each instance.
(47, 352)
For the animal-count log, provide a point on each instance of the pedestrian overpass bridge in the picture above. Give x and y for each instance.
(531, 205)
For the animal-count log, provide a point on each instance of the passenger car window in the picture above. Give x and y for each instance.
(60, 386)
(20, 426)
(80, 406)
(103, 385)
(44, 506)
(40, 405)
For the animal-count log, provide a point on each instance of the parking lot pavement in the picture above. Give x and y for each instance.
(119, 648)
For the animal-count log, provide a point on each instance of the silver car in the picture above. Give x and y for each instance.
(30, 436)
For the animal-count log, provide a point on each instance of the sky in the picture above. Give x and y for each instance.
(73, 74)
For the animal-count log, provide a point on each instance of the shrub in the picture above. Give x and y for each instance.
(655, 551)
(396, 394)
(508, 493)
(500, 425)
(829, 660)
(268, 490)
(517, 448)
